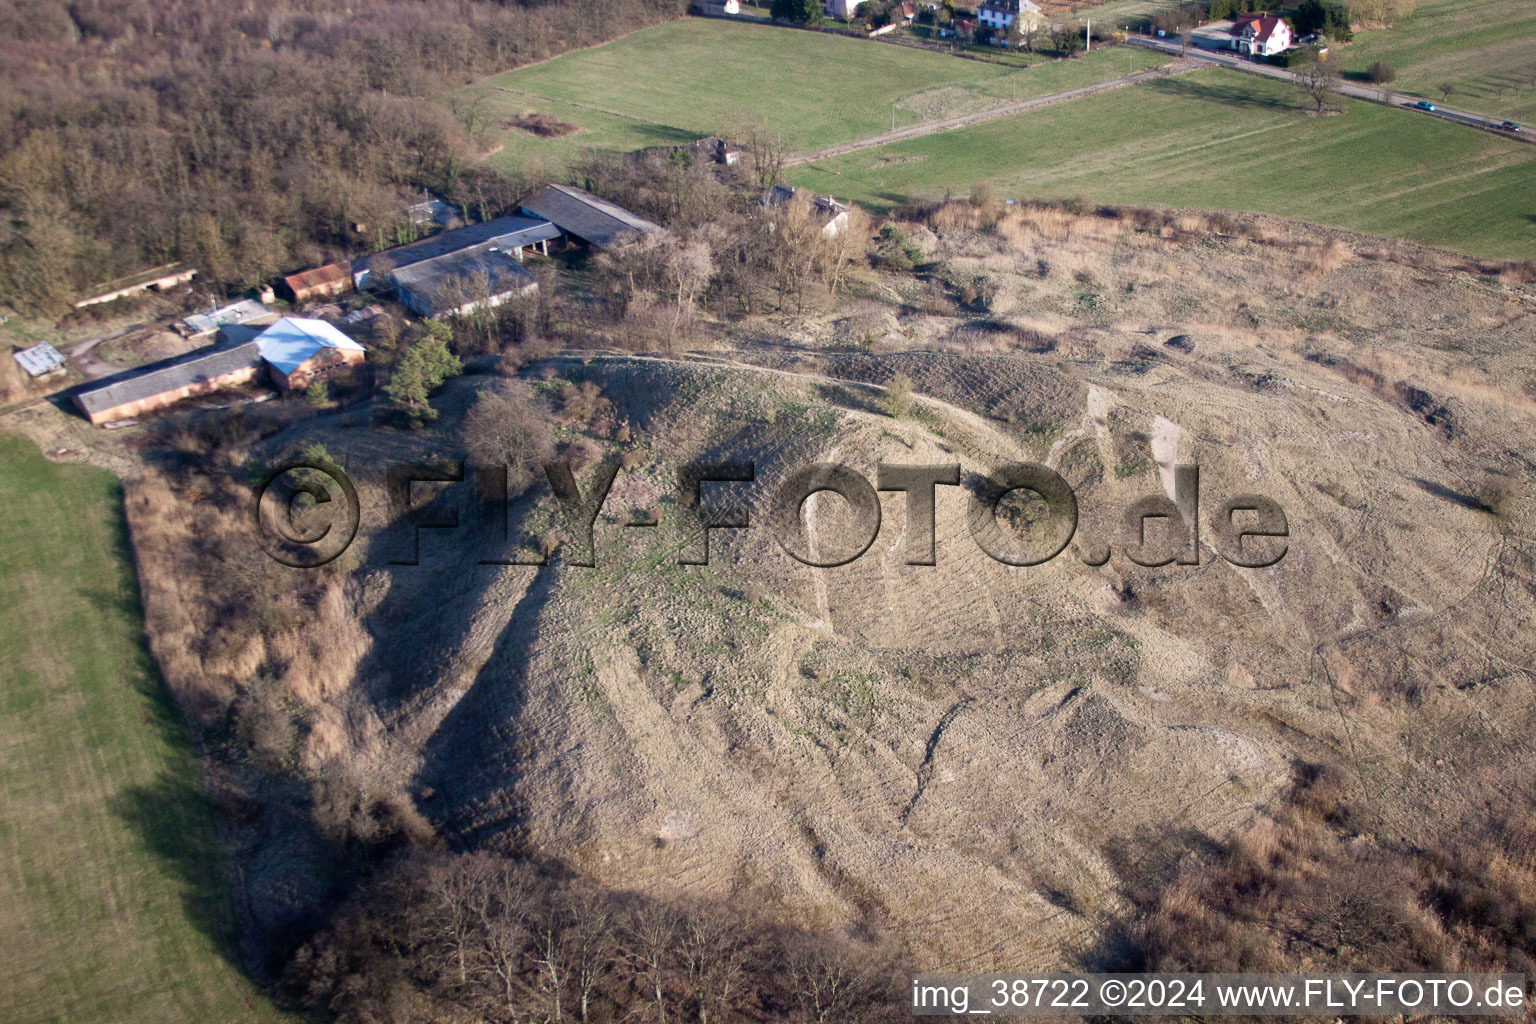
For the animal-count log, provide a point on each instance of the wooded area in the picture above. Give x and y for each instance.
(246, 138)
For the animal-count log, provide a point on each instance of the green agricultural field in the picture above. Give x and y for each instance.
(1486, 49)
(114, 901)
(700, 76)
(1222, 140)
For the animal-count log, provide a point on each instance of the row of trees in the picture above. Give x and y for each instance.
(249, 138)
(501, 939)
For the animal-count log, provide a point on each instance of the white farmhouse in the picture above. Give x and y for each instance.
(999, 14)
(844, 9)
(1260, 35)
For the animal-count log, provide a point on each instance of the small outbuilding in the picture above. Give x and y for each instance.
(320, 283)
(203, 326)
(157, 279)
(41, 360)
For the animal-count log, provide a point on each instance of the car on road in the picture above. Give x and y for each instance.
(1510, 126)
(1424, 105)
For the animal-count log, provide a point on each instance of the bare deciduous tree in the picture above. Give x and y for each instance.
(510, 426)
(1319, 80)
(650, 933)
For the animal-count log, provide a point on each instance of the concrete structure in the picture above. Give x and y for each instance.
(322, 282)
(584, 217)
(999, 14)
(295, 352)
(157, 279)
(203, 326)
(1260, 35)
(41, 360)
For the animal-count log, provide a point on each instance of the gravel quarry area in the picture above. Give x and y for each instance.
(976, 756)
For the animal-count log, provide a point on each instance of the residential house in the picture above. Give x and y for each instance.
(713, 149)
(832, 214)
(588, 220)
(1261, 35)
(844, 9)
(295, 352)
(321, 282)
(908, 13)
(999, 14)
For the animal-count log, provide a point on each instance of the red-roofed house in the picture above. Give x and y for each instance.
(1260, 34)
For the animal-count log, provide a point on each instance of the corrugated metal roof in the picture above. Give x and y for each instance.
(449, 282)
(170, 378)
(242, 312)
(500, 231)
(589, 218)
(39, 359)
(293, 339)
(319, 277)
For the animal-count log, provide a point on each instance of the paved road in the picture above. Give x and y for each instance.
(930, 127)
(1527, 133)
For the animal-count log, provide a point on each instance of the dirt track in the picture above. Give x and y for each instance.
(932, 127)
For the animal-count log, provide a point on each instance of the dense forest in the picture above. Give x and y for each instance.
(247, 136)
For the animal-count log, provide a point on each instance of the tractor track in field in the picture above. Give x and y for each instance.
(933, 127)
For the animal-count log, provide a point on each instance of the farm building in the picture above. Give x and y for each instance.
(294, 351)
(843, 9)
(507, 234)
(585, 218)
(41, 360)
(462, 282)
(205, 325)
(832, 214)
(157, 279)
(713, 149)
(299, 351)
(320, 283)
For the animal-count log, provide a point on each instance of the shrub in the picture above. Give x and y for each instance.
(1381, 73)
(896, 400)
(510, 427)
